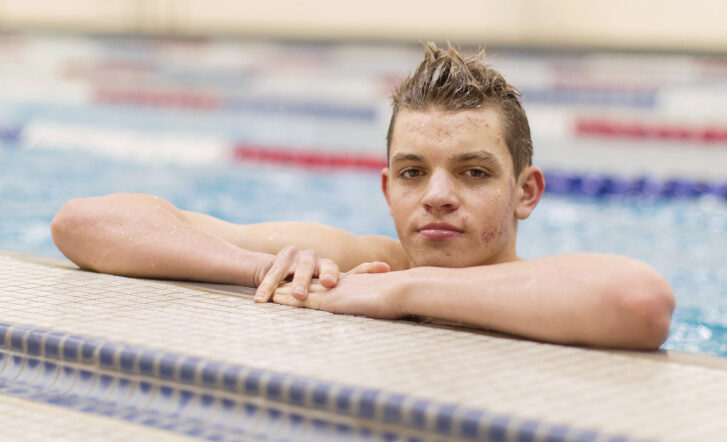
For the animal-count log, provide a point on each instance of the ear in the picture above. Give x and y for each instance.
(385, 185)
(531, 184)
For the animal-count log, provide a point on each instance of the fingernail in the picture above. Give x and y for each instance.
(326, 276)
(299, 289)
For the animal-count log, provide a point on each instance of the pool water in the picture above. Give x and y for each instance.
(83, 116)
(683, 239)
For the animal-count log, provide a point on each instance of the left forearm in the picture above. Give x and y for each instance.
(572, 299)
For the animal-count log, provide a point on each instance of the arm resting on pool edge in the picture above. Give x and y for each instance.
(146, 236)
(582, 299)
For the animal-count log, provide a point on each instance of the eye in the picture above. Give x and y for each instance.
(477, 173)
(410, 173)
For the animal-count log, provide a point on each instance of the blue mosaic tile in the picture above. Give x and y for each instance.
(390, 437)
(106, 355)
(343, 430)
(184, 399)
(145, 387)
(230, 377)
(71, 347)
(228, 405)
(556, 433)
(127, 359)
(33, 340)
(86, 375)
(296, 391)
(207, 400)
(32, 363)
(274, 387)
(392, 408)
(526, 430)
(166, 392)
(469, 426)
(166, 366)
(320, 395)
(274, 414)
(343, 400)
(250, 409)
(188, 369)
(16, 339)
(146, 362)
(444, 418)
(49, 367)
(367, 404)
(498, 428)
(587, 436)
(69, 371)
(195, 432)
(419, 414)
(209, 374)
(105, 380)
(51, 347)
(252, 382)
(88, 350)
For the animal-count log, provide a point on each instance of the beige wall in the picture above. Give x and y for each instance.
(640, 24)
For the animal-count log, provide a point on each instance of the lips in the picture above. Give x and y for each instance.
(439, 231)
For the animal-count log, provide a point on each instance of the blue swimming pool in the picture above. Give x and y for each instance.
(82, 116)
(680, 238)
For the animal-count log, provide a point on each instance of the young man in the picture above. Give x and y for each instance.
(459, 179)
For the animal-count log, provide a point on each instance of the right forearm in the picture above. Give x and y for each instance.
(142, 236)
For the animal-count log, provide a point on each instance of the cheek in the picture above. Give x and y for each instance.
(495, 234)
(499, 223)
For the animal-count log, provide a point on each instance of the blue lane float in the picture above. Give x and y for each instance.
(598, 185)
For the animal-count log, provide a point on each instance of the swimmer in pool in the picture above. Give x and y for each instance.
(458, 181)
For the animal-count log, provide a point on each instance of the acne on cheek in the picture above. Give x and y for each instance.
(489, 236)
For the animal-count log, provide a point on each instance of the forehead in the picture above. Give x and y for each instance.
(446, 132)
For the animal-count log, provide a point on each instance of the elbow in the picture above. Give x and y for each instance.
(65, 223)
(68, 227)
(647, 303)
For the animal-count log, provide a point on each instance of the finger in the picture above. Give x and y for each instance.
(329, 273)
(278, 272)
(371, 267)
(304, 273)
(287, 299)
(286, 288)
(379, 267)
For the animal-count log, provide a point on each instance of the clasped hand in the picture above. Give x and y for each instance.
(302, 279)
(305, 267)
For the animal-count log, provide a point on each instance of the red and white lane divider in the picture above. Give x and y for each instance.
(637, 130)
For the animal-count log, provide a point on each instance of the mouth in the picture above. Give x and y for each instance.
(439, 232)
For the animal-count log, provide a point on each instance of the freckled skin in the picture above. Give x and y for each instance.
(443, 191)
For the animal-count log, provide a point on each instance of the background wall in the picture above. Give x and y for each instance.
(633, 24)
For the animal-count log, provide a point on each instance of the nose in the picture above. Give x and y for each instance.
(440, 194)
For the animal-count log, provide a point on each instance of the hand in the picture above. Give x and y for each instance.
(369, 290)
(303, 266)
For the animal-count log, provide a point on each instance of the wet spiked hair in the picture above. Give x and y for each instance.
(447, 81)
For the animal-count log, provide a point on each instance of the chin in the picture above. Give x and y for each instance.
(442, 261)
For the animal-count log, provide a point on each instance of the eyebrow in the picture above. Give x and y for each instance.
(400, 157)
(480, 155)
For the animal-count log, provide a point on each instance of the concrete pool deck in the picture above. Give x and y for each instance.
(182, 359)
